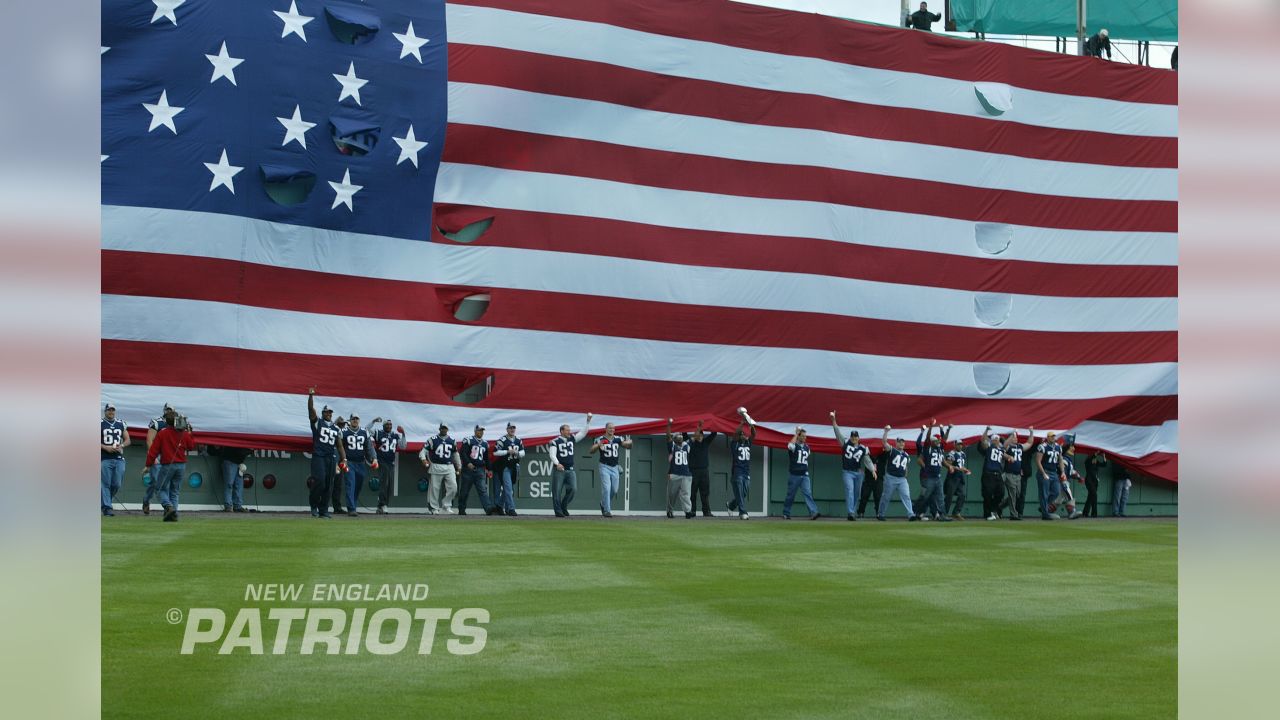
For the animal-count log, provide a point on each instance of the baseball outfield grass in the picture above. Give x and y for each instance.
(654, 618)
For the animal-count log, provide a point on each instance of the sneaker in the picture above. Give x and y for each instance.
(325, 515)
(880, 518)
(511, 513)
(786, 517)
(559, 513)
(462, 511)
(670, 515)
(1016, 517)
(607, 514)
(382, 510)
(490, 510)
(851, 517)
(992, 516)
(957, 516)
(353, 513)
(239, 509)
(146, 508)
(169, 514)
(1050, 516)
(315, 512)
(744, 516)
(226, 508)
(106, 512)
(815, 516)
(913, 518)
(1074, 514)
(690, 515)
(942, 518)
(922, 518)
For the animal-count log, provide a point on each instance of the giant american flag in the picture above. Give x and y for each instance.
(674, 207)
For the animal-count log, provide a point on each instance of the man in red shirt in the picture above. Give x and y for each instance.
(170, 447)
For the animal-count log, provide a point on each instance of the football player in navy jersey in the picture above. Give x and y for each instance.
(440, 456)
(798, 452)
(1048, 470)
(929, 456)
(610, 448)
(679, 477)
(1014, 454)
(387, 443)
(360, 452)
(153, 427)
(475, 467)
(855, 460)
(509, 449)
(564, 479)
(956, 490)
(992, 466)
(327, 455)
(895, 479)
(740, 470)
(114, 436)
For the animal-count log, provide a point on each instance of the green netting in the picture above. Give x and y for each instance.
(1123, 19)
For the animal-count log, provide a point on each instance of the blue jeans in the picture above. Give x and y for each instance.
(507, 498)
(234, 494)
(469, 478)
(154, 488)
(568, 480)
(898, 484)
(931, 495)
(852, 489)
(171, 477)
(1120, 505)
(1048, 490)
(609, 478)
(112, 476)
(801, 483)
(356, 472)
(741, 483)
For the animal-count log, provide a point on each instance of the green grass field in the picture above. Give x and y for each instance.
(664, 618)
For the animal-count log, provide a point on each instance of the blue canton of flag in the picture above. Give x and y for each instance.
(322, 114)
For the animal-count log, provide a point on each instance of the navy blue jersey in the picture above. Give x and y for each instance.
(1014, 465)
(740, 450)
(113, 432)
(157, 424)
(358, 445)
(610, 451)
(898, 463)
(475, 452)
(1071, 465)
(994, 459)
(324, 437)
(564, 447)
(1052, 454)
(853, 454)
(957, 458)
(441, 449)
(679, 452)
(514, 446)
(385, 444)
(932, 456)
(798, 458)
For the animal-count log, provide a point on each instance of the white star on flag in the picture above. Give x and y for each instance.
(344, 191)
(162, 113)
(295, 128)
(293, 22)
(223, 172)
(410, 44)
(410, 146)
(165, 8)
(350, 84)
(224, 66)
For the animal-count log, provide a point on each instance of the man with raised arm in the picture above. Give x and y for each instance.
(1014, 454)
(610, 448)
(387, 443)
(740, 470)
(564, 479)
(700, 467)
(679, 477)
(798, 452)
(992, 467)
(929, 456)
(855, 461)
(327, 455)
(895, 477)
